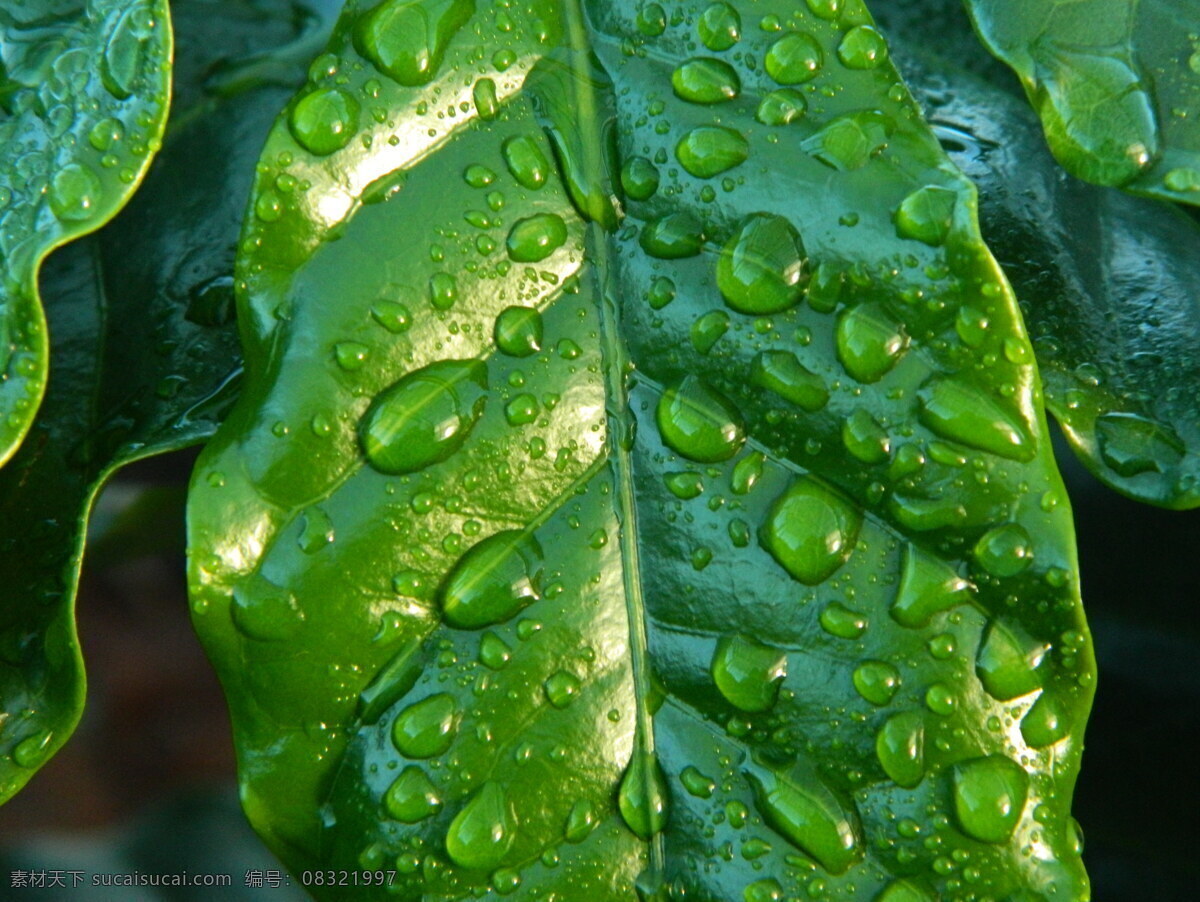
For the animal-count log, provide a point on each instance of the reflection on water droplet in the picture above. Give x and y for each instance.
(487, 104)
(33, 749)
(904, 891)
(810, 530)
(425, 417)
(747, 672)
(699, 422)
(493, 581)
(761, 268)
(482, 833)
(839, 620)
(989, 797)
(494, 652)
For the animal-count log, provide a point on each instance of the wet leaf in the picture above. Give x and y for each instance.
(1113, 83)
(688, 576)
(84, 90)
(145, 357)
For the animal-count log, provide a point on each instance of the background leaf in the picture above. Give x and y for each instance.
(84, 90)
(146, 359)
(1113, 83)
(554, 543)
(1109, 283)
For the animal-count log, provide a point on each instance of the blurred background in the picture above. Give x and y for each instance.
(147, 782)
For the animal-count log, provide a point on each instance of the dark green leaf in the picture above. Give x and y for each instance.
(739, 570)
(1110, 284)
(1115, 83)
(145, 355)
(84, 90)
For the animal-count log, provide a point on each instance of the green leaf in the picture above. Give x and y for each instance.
(1109, 283)
(612, 500)
(145, 355)
(84, 91)
(1112, 81)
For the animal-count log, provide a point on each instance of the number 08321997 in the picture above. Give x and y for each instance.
(347, 878)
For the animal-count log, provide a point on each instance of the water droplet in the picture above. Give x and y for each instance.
(684, 486)
(696, 783)
(706, 81)
(407, 40)
(661, 293)
(264, 611)
(747, 472)
(869, 342)
(748, 673)
(709, 150)
(826, 9)
(483, 94)
(536, 237)
(850, 141)
(494, 580)
(482, 833)
(639, 178)
(699, 422)
(928, 586)
(807, 813)
(940, 699)
(1184, 179)
(393, 316)
(127, 51)
(104, 134)
(989, 796)
(1005, 551)
(521, 410)
(862, 47)
(325, 120)
(673, 237)
(33, 749)
(643, 796)
(317, 531)
(782, 373)
(425, 417)
(767, 890)
(518, 331)
(962, 412)
(707, 330)
(74, 193)
(900, 748)
(412, 797)
(443, 290)
(1046, 722)
(526, 161)
(904, 891)
(426, 729)
(478, 176)
(494, 652)
(865, 438)
(581, 821)
(652, 20)
(877, 681)
(794, 59)
(719, 27)
(1133, 444)
(761, 268)
(781, 107)
(561, 688)
(839, 620)
(927, 215)
(810, 530)
(971, 326)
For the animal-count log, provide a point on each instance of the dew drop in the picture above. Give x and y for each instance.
(639, 178)
(794, 59)
(850, 141)
(699, 422)
(74, 193)
(561, 688)
(707, 330)
(904, 891)
(1132, 444)
(494, 652)
(810, 531)
(673, 237)
(443, 290)
(900, 748)
(928, 586)
(927, 215)
(709, 150)
(869, 342)
(1005, 551)
(781, 107)
(862, 47)
(761, 268)
(325, 120)
(426, 729)
(706, 81)
(494, 580)
(412, 797)
(876, 681)
(989, 797)
(1046, 722)
(841, 621)
(483, 94)
(696, 783)
(782, 373)
(748, 673)
(581, 821)
(864, 438)
(406, 40)
(128, 50)
(962, 412)
(526, 161)
(483, 831)
(719, 27)
(643, 797)
(807, 813)
(536, 237)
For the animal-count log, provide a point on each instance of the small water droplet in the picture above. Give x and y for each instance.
(526, 161)
(696, 783)
(849, 141)
(1046, 722)
(484, 96)
(518, 331)
(494, 652)
(128, 50)
(904, 891)
(652, 20)
(706, 81)
(393, 316)
(1132, 444)
(673, 237)
(1005, 551)
(719, 26)
(581, 821)
(33, 749)
(781, 107)
(865, 438)
(561, 688)
(927, 215)
(75, 191)
(707, 330)
(782, 373)
(684, 486)
(876, 681)
(639, 178)
(841, 621)
(862, 47)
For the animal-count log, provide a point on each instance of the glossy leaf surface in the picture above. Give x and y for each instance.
(1109, 284)
(1116, 85)
(84, 90)
(145, 357)
(640, 478)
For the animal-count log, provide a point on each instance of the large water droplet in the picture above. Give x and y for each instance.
(709, 150)
(526, 161)
(719, 27)
(325, 120)
(412, 797)
(561, 688)
(74, 193)
(807, 813)
(643, 796)
(1133, 444)
(708, 328)
(850, 141)
(494, 652)
(1005, 551)
(639, 178)
(482, 833)
(264, 611)
(794, 58)
(536, 237)
(928, 586)
(962, 412)
(407, 39)
(865, 438)
(699, 422)
(493, 581)
(989, 796)
(126, 53)
(927, 215)
(581, 821)
(900, 748)
(1046, 722)
(518, 331)
(707, 81)
(427, 728)
(877, 681)
(1008, 660)
(673, 237)
(781, 107)
(425, 417)
(747, 672)
(862, 47)
(810, 530)
(781, 372)
(869, 342)
(761, 268)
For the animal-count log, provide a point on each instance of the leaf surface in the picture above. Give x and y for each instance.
(84, 91)
(640, 478)
(1113, 83)
(145, 357)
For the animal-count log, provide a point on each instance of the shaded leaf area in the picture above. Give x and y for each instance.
(1109, 283)
(639, 481)
(146, 354)
(1116, 85)
(84, 91)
